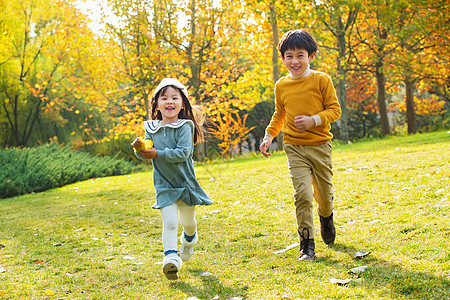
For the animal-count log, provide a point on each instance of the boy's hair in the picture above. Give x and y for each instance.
(298, 38)
(186, 113)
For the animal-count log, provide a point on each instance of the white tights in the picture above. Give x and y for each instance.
(169, 216)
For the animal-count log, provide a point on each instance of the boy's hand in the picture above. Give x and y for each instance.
(303, 123)
(264, 146)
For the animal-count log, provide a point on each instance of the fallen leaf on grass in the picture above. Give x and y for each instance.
(49, 292)
(287, 248)
(2, 292)
(340, 281)
(206, 273)
(358, 270)
(361, 254)
(110, 258)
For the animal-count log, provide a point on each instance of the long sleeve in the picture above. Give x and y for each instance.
(277, 118)
(332, 110)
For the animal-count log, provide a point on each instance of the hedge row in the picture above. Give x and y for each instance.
(45, 167)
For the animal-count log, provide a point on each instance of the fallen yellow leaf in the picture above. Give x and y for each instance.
(49, 292)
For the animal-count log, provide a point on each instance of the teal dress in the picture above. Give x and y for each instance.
(173, 170)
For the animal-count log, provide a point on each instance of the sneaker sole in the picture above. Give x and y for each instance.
(171, 271)
(306, 258)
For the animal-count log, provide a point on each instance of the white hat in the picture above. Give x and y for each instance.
(171, 81)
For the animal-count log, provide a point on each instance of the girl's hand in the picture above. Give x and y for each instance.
(149, 154)
(136, 143)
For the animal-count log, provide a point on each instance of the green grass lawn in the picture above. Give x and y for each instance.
(100, 238)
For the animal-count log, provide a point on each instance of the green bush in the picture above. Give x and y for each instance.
(45, 167)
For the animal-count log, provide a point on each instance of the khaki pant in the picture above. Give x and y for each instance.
(310, 166)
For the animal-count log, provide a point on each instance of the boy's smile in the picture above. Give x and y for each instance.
(297, 61)
(170, 104)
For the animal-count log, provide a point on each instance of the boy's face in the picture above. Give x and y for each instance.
(297, 61)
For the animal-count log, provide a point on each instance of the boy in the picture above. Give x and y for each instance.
(306, 104)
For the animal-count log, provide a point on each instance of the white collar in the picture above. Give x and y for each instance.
(153, 126)
(304, 75)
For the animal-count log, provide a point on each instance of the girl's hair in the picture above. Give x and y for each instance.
(300, 39)
(185, 113)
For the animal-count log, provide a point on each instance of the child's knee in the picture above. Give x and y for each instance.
(170, 225)
(189, 224)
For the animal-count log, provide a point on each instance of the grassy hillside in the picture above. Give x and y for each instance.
(100, 239)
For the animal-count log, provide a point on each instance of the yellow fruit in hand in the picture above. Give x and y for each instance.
(145, 145)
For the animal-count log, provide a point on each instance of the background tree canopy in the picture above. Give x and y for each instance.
(61, 81)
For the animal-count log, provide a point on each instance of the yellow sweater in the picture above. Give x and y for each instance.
(312, 95)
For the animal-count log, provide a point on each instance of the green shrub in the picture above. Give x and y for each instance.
(38, 169)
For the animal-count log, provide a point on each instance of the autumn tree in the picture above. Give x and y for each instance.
(229, 128)
(32, 67)
(377, 41)
(423, 52)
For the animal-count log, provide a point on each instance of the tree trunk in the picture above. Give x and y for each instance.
(275, 65)
(195, 66)
(410, 111)
(342, 77)
(381, 99)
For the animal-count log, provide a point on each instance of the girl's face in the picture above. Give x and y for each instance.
(170, 104)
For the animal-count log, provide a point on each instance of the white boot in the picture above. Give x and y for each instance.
(171, 266)
(187, 248)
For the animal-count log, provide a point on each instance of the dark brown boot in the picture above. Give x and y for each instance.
(327, 229)
(307, 246)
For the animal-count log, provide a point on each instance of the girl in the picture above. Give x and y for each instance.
(174, 131)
